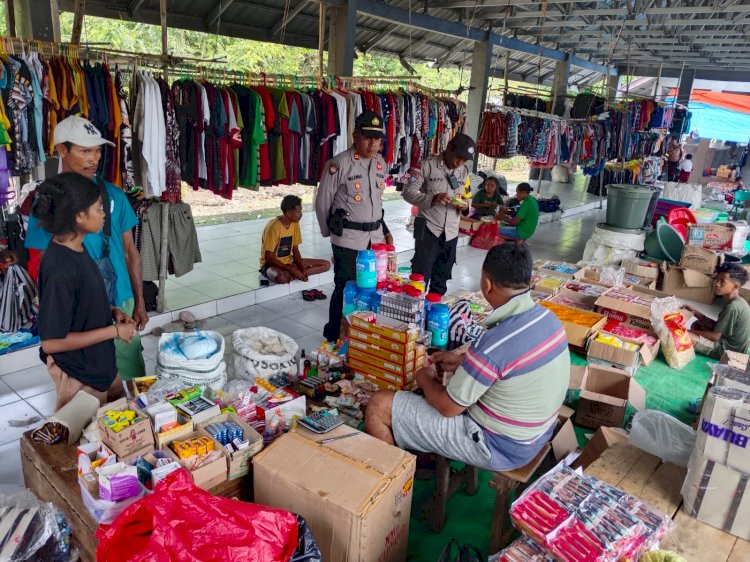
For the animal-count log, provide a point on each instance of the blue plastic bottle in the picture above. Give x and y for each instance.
(367, 274)
(350, 295)
(438, 322)
(364, 300)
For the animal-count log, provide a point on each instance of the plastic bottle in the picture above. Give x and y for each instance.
(438, 323)
(364, 300)
(350, 294)
(367, 276)
(392, 258)
(381, 261)
(417, 280)
(301, 364)
(429, 300)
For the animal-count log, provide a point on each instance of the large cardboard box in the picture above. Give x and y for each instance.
(602, 440)
(605, 394)
(382, 342)
(131, 440)
(639, 309)
(355, 493)
(714, 236)
(578, 334)
(646, 269)
(689, 284)
(385, 327)
(550, 269)
(469, 225)
(605, 355)
(699, 259)
(648, 352)
(238, 462)
(384, 352)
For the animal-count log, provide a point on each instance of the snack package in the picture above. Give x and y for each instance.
(671, 327)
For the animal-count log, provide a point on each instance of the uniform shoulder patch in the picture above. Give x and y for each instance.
(333, 168)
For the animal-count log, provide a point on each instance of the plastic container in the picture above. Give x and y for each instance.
(350, 295)
(417, 280)
(705, 216)
(364, 299)
(429, 300)
(381, 261)
(655, 194)
(438, 323)
(392, 258)
(404, 272)
(664, 243)
(663, 206)
(627, 205)
(105, 512)
(367, 276)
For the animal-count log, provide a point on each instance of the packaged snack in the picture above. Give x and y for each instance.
(671, 327)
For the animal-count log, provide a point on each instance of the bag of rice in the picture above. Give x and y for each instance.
(671, 327)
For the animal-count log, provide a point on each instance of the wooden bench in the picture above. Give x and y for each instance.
(507, 485)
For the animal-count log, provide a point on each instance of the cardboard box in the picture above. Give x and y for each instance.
(290, 410)
(385, 327)
(630, 310)
(605, 355)
(380, 341)
(211, 474)
(398, 379)
(605, 394)
(89, 453)
(735, 359)
(688, 284)
(577, 334)
(549, 284)
(602, 440)
(714, 236)
(645, 269)
(548, 269)
(469, 225)
(580, 296)
(699, 259)
(382, 351)
(636, 281)
(361, 514)
(648, 352)
(133, 439)
(238, 462)
(358, 358)
(409, 384)
(564, 440)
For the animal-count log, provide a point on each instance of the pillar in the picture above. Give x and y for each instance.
(613, 83)
(685, 86)
(560, 85)
(480, 71)
(342, 26)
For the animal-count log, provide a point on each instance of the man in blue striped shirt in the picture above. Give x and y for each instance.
(500, 407)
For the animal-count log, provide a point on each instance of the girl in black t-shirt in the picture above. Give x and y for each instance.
(77, 325)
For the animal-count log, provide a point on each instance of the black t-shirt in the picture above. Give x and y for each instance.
(73, 298)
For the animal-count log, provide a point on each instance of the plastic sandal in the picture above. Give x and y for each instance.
(308, 296)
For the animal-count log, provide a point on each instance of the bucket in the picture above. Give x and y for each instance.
(655, 194)
(664, 243)
(627, 205)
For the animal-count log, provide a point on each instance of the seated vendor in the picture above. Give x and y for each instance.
(280, 259)
(487, 200)
(500, 407)
(523, 225)
(731, 332)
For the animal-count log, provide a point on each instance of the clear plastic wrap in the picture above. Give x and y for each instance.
(158, 391)
(243, 396)
(522, 550)
(730, 377)
(576, 517)
(663, 436)
(612, 275)
(103, 511)
(31, 530)
(671, 327)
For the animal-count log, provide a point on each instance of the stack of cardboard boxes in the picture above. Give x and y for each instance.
(385, 351)
(692, 279)
(715, 489)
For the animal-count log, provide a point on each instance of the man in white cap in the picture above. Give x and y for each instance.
(79, 145)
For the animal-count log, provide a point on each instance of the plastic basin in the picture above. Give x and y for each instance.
(664, 243)
(627, 205)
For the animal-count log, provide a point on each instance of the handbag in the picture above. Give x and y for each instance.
(104, 263)
(487, 236)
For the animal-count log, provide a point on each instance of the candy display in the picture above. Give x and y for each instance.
(522, 550)
(577, 518)
(190, 447)
(587, 289)
(559, 267)
(549, 284)
(117, 421)
(572, 315)
(616, 342)
(618, 329)
(571, 302)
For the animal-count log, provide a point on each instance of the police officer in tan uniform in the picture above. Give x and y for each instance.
(437, 191)
(349, 207)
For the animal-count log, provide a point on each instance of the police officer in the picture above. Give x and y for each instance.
(349, 207)
(437, 191)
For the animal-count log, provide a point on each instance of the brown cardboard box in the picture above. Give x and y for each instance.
(408, 384)
(605, 394)
(688, 284)
(385, 327)
(358, 358)
(699, 259)
(607, 303)
(605, 355)
(578, 335)
(238, 461)
(130, 440)
(590, 274)
(636, 281)
(735, 359)
(648, 352)
(469, 225)
(547, 269)
(397, 379)
(549, 284)
(361, 514)
(714, 236)
(211, 474)
(564, 440)
(383, 351)
(602, 440)
(646, 269)
(380, 341)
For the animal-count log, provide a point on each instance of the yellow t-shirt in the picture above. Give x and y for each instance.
(280, 240)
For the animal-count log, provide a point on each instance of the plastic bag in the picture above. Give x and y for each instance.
(663, 436)
(487, 237)
(181, 522)
(671, 327)
(307, 548)
(104, 512)
(247, 363)
(159, 390)
(612, 276)
(31, 530)
(607, 247)
(728, 376)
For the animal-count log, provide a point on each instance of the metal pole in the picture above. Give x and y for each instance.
(601, 189)
(164, 256)
(321, 38)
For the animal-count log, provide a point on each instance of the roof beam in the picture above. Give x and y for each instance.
(548, 23)
(284, 21)
(599, 12)
(490, 3)
(217, 12)
(372, 43)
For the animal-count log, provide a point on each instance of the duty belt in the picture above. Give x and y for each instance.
(363, 226)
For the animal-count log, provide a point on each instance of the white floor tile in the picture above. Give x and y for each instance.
(10, 468)
(15, 419)
(229, 304)
(251, 316)
(269, 293)
(291, 328)
(30, 382)
(7, 395)
(44, 403)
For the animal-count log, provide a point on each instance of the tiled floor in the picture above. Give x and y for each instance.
(230, 257)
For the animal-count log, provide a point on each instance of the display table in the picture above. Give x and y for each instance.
(658, 484)
(50, 472)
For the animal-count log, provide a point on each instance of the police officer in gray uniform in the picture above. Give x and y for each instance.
(349, 207)
(435, 190)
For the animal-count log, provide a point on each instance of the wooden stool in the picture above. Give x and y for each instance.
(448, 482)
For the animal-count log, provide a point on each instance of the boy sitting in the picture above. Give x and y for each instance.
(280, 259)
(731, 332)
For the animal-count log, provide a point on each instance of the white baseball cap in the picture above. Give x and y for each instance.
(80, 131)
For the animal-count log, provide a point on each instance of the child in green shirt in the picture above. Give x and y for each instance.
(487, 200)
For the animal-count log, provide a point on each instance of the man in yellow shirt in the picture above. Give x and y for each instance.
(280, 259)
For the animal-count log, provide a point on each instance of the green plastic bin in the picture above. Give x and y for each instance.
(627, 205)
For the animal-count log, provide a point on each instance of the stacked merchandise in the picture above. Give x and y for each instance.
(715, 489)
(575, 517)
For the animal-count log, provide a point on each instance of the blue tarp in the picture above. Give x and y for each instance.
(718, 123)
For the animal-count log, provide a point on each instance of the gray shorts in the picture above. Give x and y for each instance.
(417, 426)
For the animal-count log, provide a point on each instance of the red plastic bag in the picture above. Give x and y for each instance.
(487, 237)
(179, 522)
